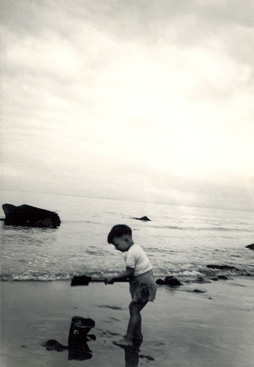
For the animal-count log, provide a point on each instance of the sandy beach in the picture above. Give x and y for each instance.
(199, 325)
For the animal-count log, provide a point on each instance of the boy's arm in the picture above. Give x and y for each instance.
(125, 274)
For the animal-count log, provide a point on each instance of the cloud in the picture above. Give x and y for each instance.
(127, 97)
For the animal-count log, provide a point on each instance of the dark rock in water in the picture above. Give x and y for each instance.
(250, 246)
(53, 344)
(160, 281)
(201, 280)
(172, 281)
(144, 219)
(30, 216)
(222, 267)
(223, 277)
(215, 279)
(169, 281)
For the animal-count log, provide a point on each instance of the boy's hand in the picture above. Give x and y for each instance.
(109, 280)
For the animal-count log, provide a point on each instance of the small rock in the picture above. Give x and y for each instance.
(215, 279)
(223, 277)
(144, 219)
(160, 281)
(169, 281)
(198, 291)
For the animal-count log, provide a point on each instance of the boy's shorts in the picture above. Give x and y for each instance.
(143, 288)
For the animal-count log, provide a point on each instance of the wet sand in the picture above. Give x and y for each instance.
(211, 327)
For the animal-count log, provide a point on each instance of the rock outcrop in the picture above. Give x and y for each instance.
(250, 246)
(30, 216)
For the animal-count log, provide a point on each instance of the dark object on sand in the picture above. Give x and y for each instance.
(250, 246)
(30, 216)
(169, 281)
(85, 280)
(198, 291)
(53, 344)
(144, 219)
(77, 342)
(222, 267)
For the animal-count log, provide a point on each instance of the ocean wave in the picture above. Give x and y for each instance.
(183, 274)
(47, 276)
(199, 229)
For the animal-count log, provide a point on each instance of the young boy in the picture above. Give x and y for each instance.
(139, 272)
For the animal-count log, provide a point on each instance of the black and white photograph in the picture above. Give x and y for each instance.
(127, 183)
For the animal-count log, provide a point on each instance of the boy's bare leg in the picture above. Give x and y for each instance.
(138, 332)
(134, 325)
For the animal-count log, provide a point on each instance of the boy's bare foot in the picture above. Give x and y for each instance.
(123, 342)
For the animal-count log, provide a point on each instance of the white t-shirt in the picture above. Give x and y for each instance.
(136, 258)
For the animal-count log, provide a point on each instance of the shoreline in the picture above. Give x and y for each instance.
(205, 324)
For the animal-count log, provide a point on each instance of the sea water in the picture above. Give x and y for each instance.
(179, 240)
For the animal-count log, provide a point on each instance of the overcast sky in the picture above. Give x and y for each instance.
(139, 99)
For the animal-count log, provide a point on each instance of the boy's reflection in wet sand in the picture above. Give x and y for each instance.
(132, 354)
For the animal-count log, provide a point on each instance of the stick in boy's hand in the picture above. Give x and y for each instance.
(85, 280)
(109, 280)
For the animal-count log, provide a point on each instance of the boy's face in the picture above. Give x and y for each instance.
(122, 243)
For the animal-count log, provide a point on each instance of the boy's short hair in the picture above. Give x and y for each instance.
(119, 230)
